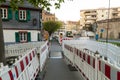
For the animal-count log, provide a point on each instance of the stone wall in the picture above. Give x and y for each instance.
(113, 30)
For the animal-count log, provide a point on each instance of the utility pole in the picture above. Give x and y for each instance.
(108, 22)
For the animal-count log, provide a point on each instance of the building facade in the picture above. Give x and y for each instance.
(47, 16)
(89, 16)
(112, 27)
(72, 26)
(100, 16)
(22, 25)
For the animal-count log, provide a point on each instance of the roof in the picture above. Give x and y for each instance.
(25, 5)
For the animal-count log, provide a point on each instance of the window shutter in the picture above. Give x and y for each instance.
(9, 13)
(17, 37)
(28, 15)
(29, 37)
(16, 15)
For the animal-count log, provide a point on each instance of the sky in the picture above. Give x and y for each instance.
(70, 10)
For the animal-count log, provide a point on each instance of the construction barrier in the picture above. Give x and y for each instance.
(28, 66)
(91, 65)
(44, 50)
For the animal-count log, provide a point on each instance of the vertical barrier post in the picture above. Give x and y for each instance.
(96, 64)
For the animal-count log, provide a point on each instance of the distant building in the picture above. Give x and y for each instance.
(100, 16)
(72, 26)
(113, 29)
(89, 16)
(22, 25)
(47, 16)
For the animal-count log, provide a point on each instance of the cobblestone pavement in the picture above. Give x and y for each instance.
(56, 68)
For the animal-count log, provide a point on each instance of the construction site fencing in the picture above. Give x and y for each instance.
(27, 66)
(94, 60)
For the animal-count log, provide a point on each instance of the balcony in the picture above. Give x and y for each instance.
(115, 11)
(115, 17)
(90, 18)
(91, 13)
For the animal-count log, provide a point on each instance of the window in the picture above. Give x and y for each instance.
(22, 14)
(93, 15)
(4, 12)
(46, 19)
(119, 35)
(23, 37)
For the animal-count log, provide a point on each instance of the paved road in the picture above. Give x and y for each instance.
(56, 68)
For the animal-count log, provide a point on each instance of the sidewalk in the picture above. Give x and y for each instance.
(56, 68)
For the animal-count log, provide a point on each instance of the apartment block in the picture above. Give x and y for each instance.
(101, 16)
(89, 16)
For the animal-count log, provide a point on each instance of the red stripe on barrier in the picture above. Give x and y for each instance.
(30, 56)
(80, 53)
(83, 74)
(34, 74)
(26, 59)
(99, 65)
(0, 78)
(107, 70)
(93, 62)
(84, 56)
(11, 75)
(77, 52)
(16, 70)
(33, 53)
(88, 59)
(118, 75)
(48, 43)
(22, 65)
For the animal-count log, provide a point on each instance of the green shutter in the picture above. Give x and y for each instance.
(9, 13)
(28, 15)
(29, 37)
(16, 15)
(17, 39)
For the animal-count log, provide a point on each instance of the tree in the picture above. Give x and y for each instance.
(51, 26)
(44, 4)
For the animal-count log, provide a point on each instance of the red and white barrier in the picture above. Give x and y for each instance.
(44, 50)
(26, 68)
(90, 65)
(108, 71)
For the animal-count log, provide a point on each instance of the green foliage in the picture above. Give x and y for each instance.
(2, 1)
(44, 4)
(115, 43)
(51, 26)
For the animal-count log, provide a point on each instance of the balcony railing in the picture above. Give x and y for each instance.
(93, 13)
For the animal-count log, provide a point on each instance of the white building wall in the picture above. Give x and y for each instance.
(34, 35)
(102, 14)
(9, 35)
